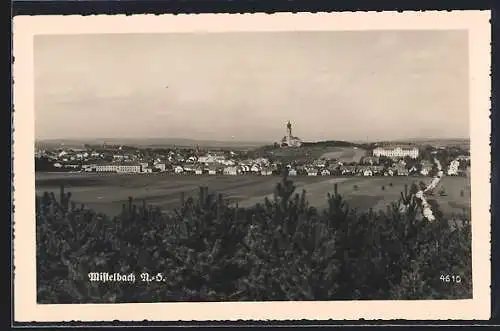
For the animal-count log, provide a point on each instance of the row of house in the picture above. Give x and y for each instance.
(317, 170)
(309, 171)
(399, 169)
(217, 170)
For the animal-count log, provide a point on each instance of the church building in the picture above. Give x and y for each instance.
(289, 140)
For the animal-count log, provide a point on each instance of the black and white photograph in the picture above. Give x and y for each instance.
(271, 164)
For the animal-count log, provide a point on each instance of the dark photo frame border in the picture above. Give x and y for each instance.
(247, 6)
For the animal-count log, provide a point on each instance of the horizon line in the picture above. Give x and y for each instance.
(103, 139)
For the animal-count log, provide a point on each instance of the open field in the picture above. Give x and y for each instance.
(369, 194)
(345, 154)
(107, 192)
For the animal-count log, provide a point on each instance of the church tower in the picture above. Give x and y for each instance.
(289, 129)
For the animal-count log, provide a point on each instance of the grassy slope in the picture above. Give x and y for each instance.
(107, 193)
(346, 154)
(310, 153)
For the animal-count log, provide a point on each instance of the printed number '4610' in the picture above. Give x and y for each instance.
(450, 278)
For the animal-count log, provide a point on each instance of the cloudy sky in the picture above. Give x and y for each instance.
(246, 86)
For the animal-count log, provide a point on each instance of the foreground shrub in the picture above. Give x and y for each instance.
(281, 249)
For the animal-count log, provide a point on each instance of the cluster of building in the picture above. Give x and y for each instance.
(119, 159)
(216, 163)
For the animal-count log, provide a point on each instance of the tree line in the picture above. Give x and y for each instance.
(281, 249)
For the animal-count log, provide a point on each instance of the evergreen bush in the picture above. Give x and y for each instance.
(281, 249)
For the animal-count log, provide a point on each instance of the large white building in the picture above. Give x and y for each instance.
(121, 168)
(396, 152)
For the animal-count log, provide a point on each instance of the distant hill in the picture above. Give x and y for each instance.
(335, 143)
(146, 142)
(436, 142)
(344, 151)
(186, 143)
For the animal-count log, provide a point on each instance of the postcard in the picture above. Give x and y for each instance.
(212, 167)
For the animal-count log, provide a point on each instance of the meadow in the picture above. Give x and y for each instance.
(310, 153)
(108, 192)
(345, 154)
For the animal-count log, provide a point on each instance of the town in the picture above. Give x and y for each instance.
(379, 160)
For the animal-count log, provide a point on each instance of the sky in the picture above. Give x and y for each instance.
(245, 86)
